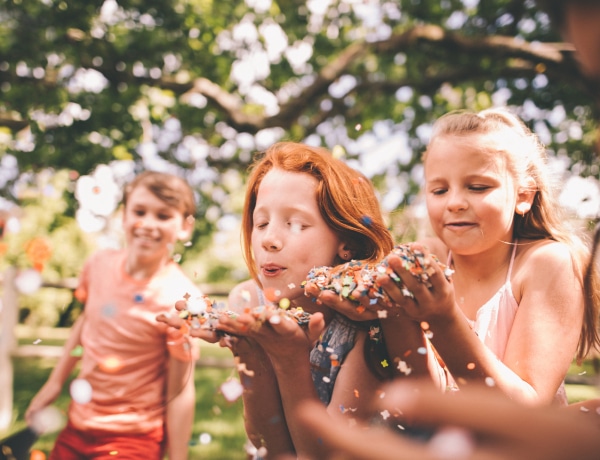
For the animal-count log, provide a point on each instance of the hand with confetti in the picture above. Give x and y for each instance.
(358, 281)
(419, 299)
(203, 318)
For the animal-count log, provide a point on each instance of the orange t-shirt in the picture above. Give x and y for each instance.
(125, 350)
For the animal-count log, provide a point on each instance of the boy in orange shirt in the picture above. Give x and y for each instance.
(134, 394)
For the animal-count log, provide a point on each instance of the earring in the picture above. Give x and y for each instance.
(523, 208)
(345, 256)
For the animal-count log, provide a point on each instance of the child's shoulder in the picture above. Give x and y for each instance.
(543, 254)
(540, 251)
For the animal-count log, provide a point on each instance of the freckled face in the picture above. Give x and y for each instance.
(289, 235)
(470, 196)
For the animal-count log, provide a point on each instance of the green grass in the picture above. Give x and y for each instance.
(215, 416)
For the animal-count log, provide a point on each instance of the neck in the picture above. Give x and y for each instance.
(143, 269)
(483, 265)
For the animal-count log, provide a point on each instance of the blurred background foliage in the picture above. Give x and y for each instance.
(196, 87)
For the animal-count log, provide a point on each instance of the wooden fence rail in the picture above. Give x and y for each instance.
(9, 335)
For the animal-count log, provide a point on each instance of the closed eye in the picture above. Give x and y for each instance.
(479, 188)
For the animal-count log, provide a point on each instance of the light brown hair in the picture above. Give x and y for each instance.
(171, 189)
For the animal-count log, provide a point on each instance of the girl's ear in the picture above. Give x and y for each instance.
(525, 197)
(345, 252)
(187, 227)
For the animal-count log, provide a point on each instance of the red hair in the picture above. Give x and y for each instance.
(346, 199)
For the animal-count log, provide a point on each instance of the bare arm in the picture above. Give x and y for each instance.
(264, 418)
(491, 428)
(181, 401)
(53, 386)
(549, 298)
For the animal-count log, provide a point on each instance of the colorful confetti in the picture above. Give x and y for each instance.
(361, 276)
(203, 313)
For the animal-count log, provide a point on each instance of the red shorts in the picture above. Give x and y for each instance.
(74, 444)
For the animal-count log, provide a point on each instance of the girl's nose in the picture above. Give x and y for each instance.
(271, 242)
(457, 202)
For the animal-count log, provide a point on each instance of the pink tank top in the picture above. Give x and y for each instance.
(495, 318)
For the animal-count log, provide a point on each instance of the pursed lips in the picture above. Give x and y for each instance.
(272, 269)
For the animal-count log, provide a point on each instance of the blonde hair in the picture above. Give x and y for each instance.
(525, 159)
(346, 198)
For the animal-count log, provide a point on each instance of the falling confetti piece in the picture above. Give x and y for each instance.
(471, 366)
(404, 368)
(452, 443)
(81, 391)
(285, 303)
(205, 438)
(232, 389)
(77, 351)
(271, 294)
(111, 364)
(36, 341)
(47, 420)
(490, 382)
(291, 286)
(28, 281)
(384, 363)
(338, 151)
(37, 455)
(197, 305)
(275, 319)
(385, 414)
(422, 350)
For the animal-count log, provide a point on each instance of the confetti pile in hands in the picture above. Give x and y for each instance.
(356, 274)
(202, 313)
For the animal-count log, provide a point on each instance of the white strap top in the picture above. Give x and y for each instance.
(495, 318)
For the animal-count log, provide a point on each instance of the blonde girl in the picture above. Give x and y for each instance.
(514, 313)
